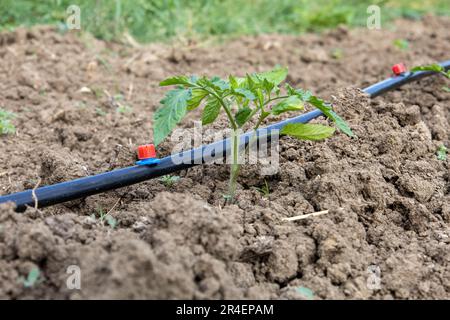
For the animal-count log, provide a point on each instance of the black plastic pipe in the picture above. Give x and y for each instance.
(87, 186)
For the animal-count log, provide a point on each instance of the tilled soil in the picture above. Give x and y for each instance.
(386, 191)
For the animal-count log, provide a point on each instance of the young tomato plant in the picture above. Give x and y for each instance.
(255, 95)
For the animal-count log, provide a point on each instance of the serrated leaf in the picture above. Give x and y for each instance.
(307, 131)
(431, 67)
(328, 111)
(214, 83)
(233, 82)
(242, 115)
(220, 84)
(178, 80)
(245, 93)
(211, 111)
(275, 76)
(170, 113)
(197, 96)
(268, 86)
(303, 95)
(292, 103)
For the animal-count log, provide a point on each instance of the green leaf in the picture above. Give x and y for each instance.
(247, 94)
(211, 111)
(178, 80)
(431, 67)
(275, 76)
(307, 131)
(233, 82)
(304, 95)
(32, 278)
(401, 44)
(268, 86)
(197, 95)
(442, 153)
(305, 293)
(292, 103)
(6, 126)
(219, 84)
(242, 115)
(328, 111)
(170, 113)
(446, 89)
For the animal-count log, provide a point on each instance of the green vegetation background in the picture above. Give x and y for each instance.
(161, 20)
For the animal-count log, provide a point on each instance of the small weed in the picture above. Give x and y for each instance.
(401, 44)
(122, 109)
(100, 112)
(32, 278)
(169, 181)
(442, 152)
(305, 292)
(337, 53)
(446, 89)
(6, 126)
(264, 190)
(111, 221)
(104, 217)
(98, 93)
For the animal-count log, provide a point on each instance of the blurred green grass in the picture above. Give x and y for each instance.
(161, 20)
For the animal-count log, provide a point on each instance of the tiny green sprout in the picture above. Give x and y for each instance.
(337, 53)
(446, 89)
(401, 44)
(442, 152)
(118, 97)
(264, 190)
(98, 92)
(241, 98)
(111, 221)
(104, 217)
(168, 180)
(6, 126)
(32, 278)
(123, 109)
(100, 112)
(305, 292)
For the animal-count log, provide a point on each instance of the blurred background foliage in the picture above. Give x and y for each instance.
(162, 20)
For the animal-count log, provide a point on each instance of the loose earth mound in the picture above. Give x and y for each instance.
(84, 105)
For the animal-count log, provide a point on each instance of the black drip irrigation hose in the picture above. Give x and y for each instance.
(87, 186)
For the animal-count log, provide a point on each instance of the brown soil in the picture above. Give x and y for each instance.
(387, 193)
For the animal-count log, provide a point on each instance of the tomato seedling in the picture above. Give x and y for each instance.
(255, 95)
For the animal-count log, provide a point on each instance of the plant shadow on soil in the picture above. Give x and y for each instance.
(387, 192)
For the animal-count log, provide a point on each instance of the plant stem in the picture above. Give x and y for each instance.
(235, 166)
